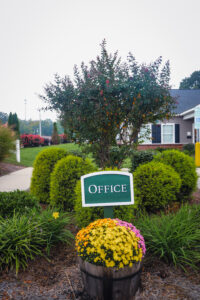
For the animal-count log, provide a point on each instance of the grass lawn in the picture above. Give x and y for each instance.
(28, 155)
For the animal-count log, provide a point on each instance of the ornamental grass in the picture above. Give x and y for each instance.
(25, 237)
(110, 243)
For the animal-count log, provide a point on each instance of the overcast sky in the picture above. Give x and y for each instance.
(42, 37)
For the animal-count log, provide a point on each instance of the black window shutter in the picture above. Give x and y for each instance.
(156, 134)
(177, 133)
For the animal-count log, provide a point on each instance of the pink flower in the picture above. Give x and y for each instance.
(141, 242)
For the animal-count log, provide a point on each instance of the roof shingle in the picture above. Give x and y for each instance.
(187, 99)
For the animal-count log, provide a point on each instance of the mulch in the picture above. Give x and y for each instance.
(59, 277)
(6, 168)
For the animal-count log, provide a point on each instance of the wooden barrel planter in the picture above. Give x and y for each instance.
(109, 283)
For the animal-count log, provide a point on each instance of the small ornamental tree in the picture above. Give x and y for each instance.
(55, 137)
(109, 98)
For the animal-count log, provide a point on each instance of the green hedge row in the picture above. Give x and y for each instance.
(169, 176)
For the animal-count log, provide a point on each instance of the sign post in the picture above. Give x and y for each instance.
(18, 150)
(107, 189)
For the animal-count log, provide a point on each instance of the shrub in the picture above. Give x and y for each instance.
(43, 166)
(184, 166)
(63, 180)
(161, 149)
(140, 157)
(155, 186)
(78, 153)
(85, 215)
(189, 149)
(175, 238)
(6, 142)
(23, 237)
(17, 202)
(117, 156)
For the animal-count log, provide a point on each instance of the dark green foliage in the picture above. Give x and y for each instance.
(109, 96)
(13, 122)
(175, 238)
(6, 142)
(192, 82)
(42, 168)
(184, 166)
(17, 202)
(63, 180)
(23, 237)
(86, 215)
(155, 186)
(189, 149)
(117, 155)
(140, 157)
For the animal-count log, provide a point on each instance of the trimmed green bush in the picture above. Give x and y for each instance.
(23, 237)
(85, 215)
(63, 180)
(175, 238)
(189, 149)
(184, 166)
(20, 202)
(140, 157)
(42, 168)
(155, 186)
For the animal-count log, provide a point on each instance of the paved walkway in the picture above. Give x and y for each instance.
(16, 180)
(21, 180)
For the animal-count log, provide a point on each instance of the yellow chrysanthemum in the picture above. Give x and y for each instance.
(105, 243)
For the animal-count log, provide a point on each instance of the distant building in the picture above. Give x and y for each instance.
(177, 131)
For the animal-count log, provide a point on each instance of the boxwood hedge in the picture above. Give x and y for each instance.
(63, 180)
(155, 185)
(184, 165)
(42, 168)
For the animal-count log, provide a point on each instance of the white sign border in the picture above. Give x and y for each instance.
(130, 175)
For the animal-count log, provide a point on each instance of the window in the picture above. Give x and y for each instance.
(167, 134)
(145, 134)
(164, 133)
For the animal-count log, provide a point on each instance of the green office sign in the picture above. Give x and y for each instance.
(107, 188)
